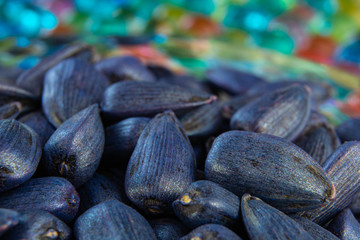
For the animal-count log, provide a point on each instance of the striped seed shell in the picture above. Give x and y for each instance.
(162, 165)
(74, 150)
(281, 113)
(112, 220)
(343, 169)
(345, 226)
(268, 167)
(39, 123)
(203, 121)
(53, 194)
(129, 99)
(319, 142)
(98, 189)
(124, 68)
(232, 80)
(37, 224)
(205, 202)
(12, 93)
(121, 139)
(349, 130)
(316, 231)
(10, 110)
(211, 232)
(168, 228)
(32, 79)
(320, 91)
(8, 219)
(20, 151)
(263, 222)
(69, 87)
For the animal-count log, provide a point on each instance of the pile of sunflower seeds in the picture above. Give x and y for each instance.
(115, 149)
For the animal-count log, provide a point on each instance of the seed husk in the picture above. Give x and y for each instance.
(343, 168)
(262, 221)
(74, 150)
(268, 167)
(37, 224)
(20, 151)
(69, 87)
(130, 99)
(32, 79)
(162, 165)
(53, 194)
(345, 226)
(112, 220)
(211, 231)
(283, 113)
(205, 202)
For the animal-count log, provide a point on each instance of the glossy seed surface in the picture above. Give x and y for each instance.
(269, 167)
(162, 165)
(74, 150)
(53, 194)
(112, 220)
(343, 168)
(282, 113)
(205, 202)
(32, 79)
(20, 153)
(129, 99)
(265, 222)
(37, 224)
(69, 87)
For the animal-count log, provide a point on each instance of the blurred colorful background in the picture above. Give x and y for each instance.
(307, 39)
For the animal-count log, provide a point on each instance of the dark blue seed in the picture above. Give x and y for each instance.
(10, 110)
(98, 189)
(112, 220)
(345, 225)
(53, 194)
(349, 130)
(232, 80)
(319, 142)
(20, 153)
(38, 122)
(8, 75)
(276, 170)
(283, 113)
(8, 219)
(211, 232)
(121, 139)
(263, 222)
(162, 165)
(319, 91)
(69, 87)
(168, 229)
(32, 79)
(203, 121)
(12, 93)
(124, 68)
(343, 169)
(317, 232)
(74, 150)
(37, 224)
(129, 99)
(206, 202)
